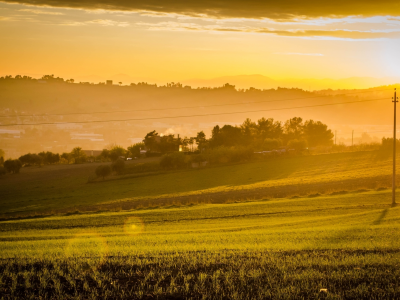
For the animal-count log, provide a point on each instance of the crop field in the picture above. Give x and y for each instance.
(338, 246)
(67, 188)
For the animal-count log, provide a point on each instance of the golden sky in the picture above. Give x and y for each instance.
(172, 40)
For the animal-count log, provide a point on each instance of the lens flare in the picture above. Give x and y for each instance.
(90, 246)
(134, 226)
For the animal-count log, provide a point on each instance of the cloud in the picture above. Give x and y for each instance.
(278, 10)
(339, 34)
(106, 22)
(41, 12)
(102, 22)
(298, 53)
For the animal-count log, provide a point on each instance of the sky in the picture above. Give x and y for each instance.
(173, 40)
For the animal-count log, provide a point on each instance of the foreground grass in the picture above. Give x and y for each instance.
(66, 188)
(268, 249)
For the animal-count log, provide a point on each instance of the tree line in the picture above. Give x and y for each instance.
(142, 85)
(263, 135)
(226, 143)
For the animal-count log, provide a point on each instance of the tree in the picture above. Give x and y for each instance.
(151, 140)
(12, 165)
(103, 171)
(191, 143)
(78, 155)
(2, 153)
(228, 136)
(116, 152)
(49, 157)
(66, 156)
(249, 129)
(201, 140)
(293, 129)
(168, 143)
(105, 154)
(267, 128)
(118, 166)
(317, 134)
(134, 150)
(31, 159)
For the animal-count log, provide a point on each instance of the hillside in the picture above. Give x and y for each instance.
(65, 188)
(97, 115)
(311, 248)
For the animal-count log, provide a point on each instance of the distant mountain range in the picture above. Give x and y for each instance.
(263, 82)
(246, 81)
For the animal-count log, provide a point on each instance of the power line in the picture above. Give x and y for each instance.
(185, 107)
(191, 116)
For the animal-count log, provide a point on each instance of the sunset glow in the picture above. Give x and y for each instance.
(178, 42)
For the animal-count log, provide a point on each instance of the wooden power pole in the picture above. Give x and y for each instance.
(352, 139)
(335, 136)
(394, 151)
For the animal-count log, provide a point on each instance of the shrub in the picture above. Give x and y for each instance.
(3, 170)
(103, 171)
(174, 160)
(31, 159)
(118, 166)
(271, 144)
(13, 165)
(116, 152)
(49, 157)
(297, 145)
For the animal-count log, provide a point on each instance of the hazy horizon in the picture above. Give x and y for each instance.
(242, 81)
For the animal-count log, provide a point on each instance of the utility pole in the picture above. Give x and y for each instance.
(352, 139)
(335, 136)
(394, 151)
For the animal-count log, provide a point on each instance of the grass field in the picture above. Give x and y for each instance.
(311, 227)
(276, 249)
(65, 188)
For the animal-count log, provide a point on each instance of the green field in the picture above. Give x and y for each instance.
(283, 248)
(335, 237)
(66, 188)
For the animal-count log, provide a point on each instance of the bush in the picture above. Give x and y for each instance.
(297, 145)
(12, 165)
(49, 157)
(31, 159)
(174, 160)
(116, 152)
(3, 170)
(271, 144)
(118, 166)
(103, 171)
